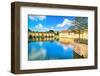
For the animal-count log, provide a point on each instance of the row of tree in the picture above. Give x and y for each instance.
(79, 25)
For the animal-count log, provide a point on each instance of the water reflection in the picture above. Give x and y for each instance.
(50, 48)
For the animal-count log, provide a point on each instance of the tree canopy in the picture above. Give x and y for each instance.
(79, 23)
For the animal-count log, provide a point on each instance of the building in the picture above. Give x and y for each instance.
(67, 33)
(70, 34)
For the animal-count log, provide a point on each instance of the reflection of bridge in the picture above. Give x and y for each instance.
(42, 39)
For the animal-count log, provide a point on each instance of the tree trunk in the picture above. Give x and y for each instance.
(79, 36)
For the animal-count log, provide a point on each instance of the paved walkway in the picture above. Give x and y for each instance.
(81, 49)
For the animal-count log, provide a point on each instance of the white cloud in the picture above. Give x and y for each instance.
(65, 22)
(52, 28)
(41, 17)
(46, 29)
(32, 17)
(40, 27)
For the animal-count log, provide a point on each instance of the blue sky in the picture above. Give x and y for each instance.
(46, 23)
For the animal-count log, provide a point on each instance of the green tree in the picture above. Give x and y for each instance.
(51, 30)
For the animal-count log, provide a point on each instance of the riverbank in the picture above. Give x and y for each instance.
(80, 48)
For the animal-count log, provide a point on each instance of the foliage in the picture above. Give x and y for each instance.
(51, 30)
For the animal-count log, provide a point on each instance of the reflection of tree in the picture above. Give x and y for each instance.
(30, 37)
(57, 33)
(79, 25)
